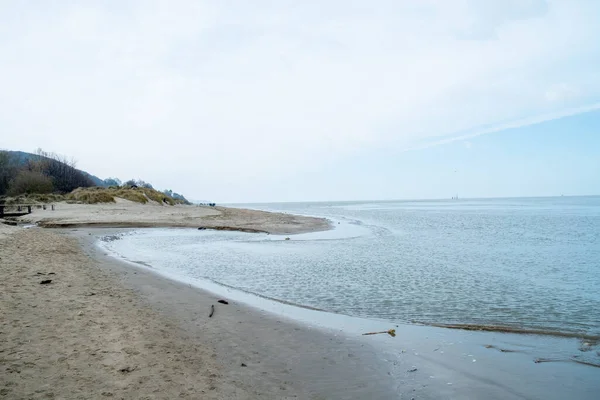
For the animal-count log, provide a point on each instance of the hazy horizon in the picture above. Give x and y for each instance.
(312, 101)
(414, 199)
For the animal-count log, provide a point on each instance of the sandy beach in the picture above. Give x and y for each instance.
(85, 336)
(102, 329)
(125, 213)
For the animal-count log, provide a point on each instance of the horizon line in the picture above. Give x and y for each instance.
(415, 199)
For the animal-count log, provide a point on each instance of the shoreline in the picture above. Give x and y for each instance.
(454, 362)
(220, 287)
(309, 359)
(103, 326)
(515, 330)
(303, 351)
(483, 327)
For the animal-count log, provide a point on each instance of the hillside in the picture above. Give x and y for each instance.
(48, 177)
(22, 158)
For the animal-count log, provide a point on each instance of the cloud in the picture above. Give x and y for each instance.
(463, 136)
(262, 90)
(562, 92)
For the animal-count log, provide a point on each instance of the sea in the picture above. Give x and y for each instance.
(522, 264)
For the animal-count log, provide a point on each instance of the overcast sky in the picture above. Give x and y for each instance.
(246, 101)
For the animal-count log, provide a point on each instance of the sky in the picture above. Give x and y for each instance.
(237, 101)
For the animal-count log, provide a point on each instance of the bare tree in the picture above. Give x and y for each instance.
(61, 169)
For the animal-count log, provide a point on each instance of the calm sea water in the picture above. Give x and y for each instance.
(526, 263)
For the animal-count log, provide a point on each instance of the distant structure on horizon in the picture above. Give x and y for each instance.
(203, 203)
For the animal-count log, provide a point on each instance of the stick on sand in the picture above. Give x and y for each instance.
(391, 332)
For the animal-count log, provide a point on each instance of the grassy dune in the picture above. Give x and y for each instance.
(95, 195)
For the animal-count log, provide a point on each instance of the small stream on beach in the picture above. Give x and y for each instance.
(524, 265)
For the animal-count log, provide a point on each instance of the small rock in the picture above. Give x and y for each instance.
(126, 370)
(46, 281)
(244, 365)
(413, 370)
(223, 302)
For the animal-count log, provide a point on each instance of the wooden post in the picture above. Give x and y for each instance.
(1, 210)
(52, 207)
(28, 209)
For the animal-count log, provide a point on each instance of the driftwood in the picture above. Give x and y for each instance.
(391, 332)
(546, 360)
(212, 310)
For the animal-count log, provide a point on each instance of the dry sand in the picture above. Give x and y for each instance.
(103, 329)
(125, 213)
(85, 336)
(6, 230)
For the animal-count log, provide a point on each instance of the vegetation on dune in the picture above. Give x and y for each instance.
(48, 177)
(89, 196)
(34, 199)
(96, 195)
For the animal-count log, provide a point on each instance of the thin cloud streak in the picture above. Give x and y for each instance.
(510, 125)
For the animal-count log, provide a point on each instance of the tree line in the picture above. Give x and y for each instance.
(43, 172)
(39, 173)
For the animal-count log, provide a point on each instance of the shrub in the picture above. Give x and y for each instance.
(98, 194)
(28, 182)
(90, 196)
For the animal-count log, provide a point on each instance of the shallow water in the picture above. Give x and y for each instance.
(523, 263)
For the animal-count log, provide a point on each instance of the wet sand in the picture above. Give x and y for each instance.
(429, 362)
(421, 362)
(102, 328)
